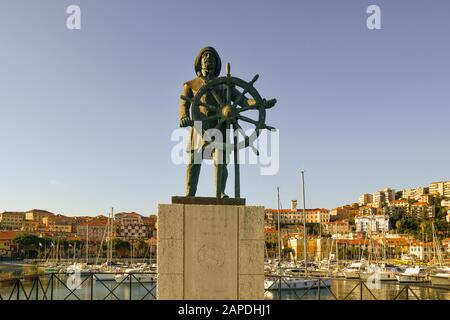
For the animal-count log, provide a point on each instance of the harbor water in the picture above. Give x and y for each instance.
(60, 289)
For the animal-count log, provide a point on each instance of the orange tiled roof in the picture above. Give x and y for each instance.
(297, 211)
(400, 201)
(73, 238)
(354, 241)
(99, 223)
(128, 213)
(397, 240)
(269, 230)
(7, 235)
(420, 204)
(421, 243)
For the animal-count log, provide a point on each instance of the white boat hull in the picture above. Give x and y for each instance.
(382, 276)
(296, 284)
(440, 280)
(136, 278)
(402, 278)
(351, 274)
(105, 276)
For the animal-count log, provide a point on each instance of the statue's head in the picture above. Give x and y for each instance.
(208, 62)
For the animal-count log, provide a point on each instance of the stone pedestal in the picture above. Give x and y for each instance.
(210, 252)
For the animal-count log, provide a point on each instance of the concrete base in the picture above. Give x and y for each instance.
(210, 252)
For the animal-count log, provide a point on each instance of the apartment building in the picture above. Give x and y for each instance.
(296, 216)
(95, 229)
(11, 220)
(7, 248)
(373, 223)
(334, 227)
(422, 210)
(441, 188)
(414, 193)
(383, 197)
(421, 250)
(398, 207)
(367, 211)
(131, 225)
(447, 189)
(59, 223)
(344, 212)
(270, 235)
(365, 199)
(38, 216)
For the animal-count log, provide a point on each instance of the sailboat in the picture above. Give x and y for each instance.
(413, 274)
(381, 272)
(441, 276)
(294, 282)
(137, 274)
(353, 270)
(106, 271)
(52, 265)
(378, 271)
(80, 267)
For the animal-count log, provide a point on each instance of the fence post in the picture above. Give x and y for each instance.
(360, 289)
(18, 288)
(37, 287)
(318, 289)
(279, 287)
(51, 286)
(130, 283)
(92, 285)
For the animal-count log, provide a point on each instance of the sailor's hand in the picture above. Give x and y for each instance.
(185, 122)
(269, 103)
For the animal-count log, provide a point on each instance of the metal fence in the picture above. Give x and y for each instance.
(356, 289)
(55, 286)
(130, 286)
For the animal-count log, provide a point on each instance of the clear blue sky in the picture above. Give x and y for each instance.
(86, 116)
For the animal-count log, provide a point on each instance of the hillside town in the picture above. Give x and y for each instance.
(404, 224)
(409, 224)
(36, 233)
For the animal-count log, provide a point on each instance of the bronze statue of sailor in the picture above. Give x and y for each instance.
(217, 107)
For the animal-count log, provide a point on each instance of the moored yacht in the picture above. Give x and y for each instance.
(441, 277)
(353, 271)
(289, 283)
(106, 272)
(137, 275)
(412, 274)
(380, 273)
(80, 268)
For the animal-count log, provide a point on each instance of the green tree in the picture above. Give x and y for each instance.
(140, 248)
(287, 251)
(28, 244)
(121, 247)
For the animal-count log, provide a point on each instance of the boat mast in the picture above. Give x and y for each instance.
(436, 246)
(110, 234)
(370, 243)
(384, 243)
(304, 224)
(279, 229)
(87, 242)
(337, 254)
(108, 247)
